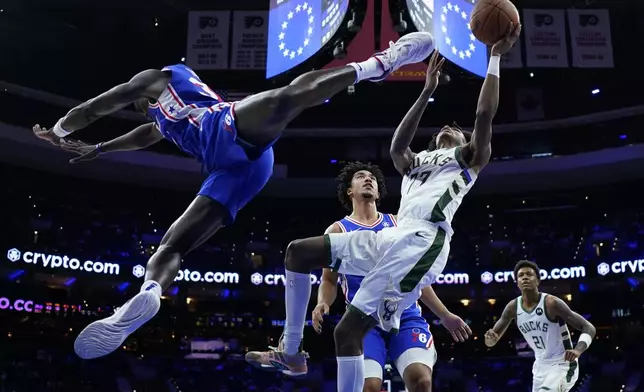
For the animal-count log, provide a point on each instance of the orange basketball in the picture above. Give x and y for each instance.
(491, 19)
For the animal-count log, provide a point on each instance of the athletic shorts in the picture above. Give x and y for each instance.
(559, 376)
(397, 263)
(237, 170)
(414, 343)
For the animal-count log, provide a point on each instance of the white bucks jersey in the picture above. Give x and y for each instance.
(434, 186)
(548, 338)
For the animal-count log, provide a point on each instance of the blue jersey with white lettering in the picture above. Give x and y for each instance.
(181, 109)
(351, 283)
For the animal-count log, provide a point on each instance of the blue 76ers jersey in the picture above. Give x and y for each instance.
(351, 283)
(181, 108)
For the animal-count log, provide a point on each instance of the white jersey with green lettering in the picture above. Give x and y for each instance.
(548, 338)
(434, 186)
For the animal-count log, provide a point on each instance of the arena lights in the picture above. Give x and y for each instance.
(595, 91)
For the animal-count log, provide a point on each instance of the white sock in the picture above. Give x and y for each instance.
(151, 285)
(371, 68)
(298, 294)
(350, 374)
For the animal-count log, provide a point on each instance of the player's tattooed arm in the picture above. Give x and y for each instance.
(400, 152)
(560, 309)
(145, 84)
(328, 290)
(478, 151)
(493, 335)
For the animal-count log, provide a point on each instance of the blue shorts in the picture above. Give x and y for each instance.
(378, 344)
(238, 171)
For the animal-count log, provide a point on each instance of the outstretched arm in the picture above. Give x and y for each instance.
(400, 152)
(115, 99)
(148, 84)
(459, 330)
(560, 309)
(479, 150)
(493, 335)
(141, 137)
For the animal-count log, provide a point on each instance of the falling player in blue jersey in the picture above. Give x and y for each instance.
(233, 141)
(360, 188)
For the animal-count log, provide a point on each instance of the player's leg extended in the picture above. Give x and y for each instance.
(261, 117)
(302, 256)
(198, 223)
(350, 253)
(203, 218)
(349, 335)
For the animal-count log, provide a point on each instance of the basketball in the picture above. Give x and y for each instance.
(491, 20)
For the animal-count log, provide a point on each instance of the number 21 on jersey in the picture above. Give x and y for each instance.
(538, 342)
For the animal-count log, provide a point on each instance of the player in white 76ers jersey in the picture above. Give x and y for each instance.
(542, 320)
(397, 262)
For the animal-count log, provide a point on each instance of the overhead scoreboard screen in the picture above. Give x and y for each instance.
(297, 29)
(448, 22)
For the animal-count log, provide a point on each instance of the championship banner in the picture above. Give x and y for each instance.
(545, 38)
(590, 38)
(250, 40)
(208, 36)
(513, 59)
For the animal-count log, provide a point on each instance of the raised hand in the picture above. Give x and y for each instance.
(505, 44)
(434, 71)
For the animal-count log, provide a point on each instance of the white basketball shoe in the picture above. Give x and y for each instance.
(409, 49)
(105, 336)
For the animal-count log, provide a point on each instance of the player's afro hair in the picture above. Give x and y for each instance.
(526, 264)
(432, 144)
(346, 175)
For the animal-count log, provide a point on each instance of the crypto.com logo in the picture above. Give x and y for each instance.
(46, 260)
(13, 255)
(275, 279)
(487, 277)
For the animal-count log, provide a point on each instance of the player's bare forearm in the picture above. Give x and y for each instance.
(431, 300)
(137, 139)
(113, 100)
(328, 290)
(485, 111)
(399, 150)
(575, 320)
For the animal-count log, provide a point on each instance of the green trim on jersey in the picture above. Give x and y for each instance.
(535, 307)
(413, 277)
(458, 154)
